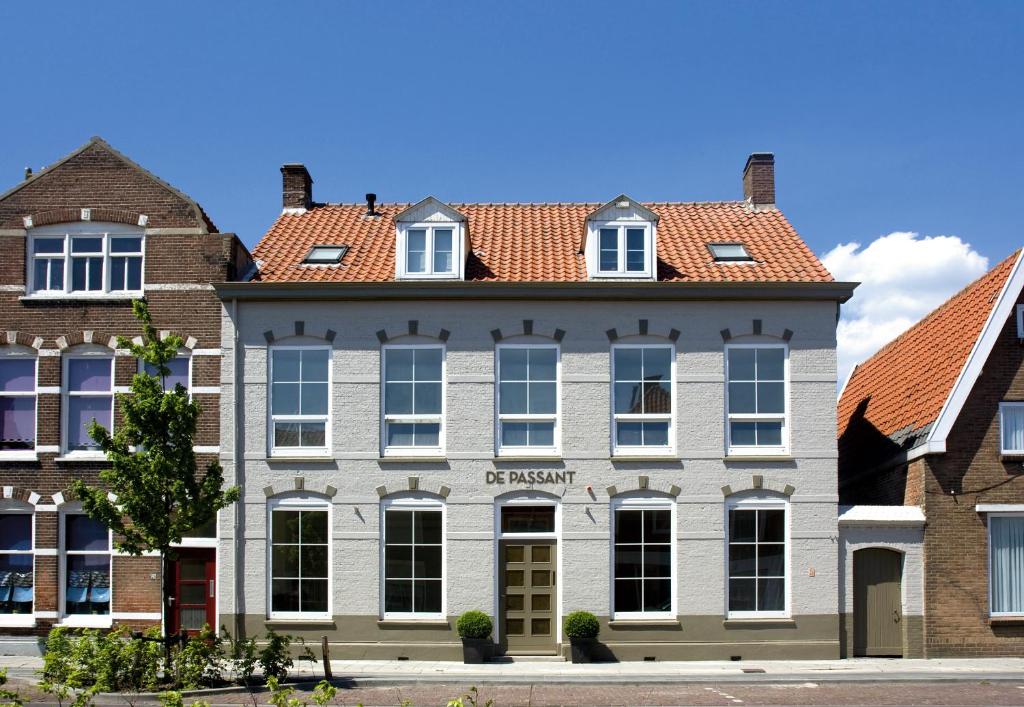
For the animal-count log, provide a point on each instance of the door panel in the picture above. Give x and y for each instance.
(527, 592)
(193, 585)
(877, 603)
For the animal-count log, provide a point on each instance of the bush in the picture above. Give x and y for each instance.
(241, 656)
(200, 662)
(275, 658)
(93, 662)
(581, 625)
(474, 624)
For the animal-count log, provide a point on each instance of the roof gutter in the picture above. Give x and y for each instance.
(663, 291)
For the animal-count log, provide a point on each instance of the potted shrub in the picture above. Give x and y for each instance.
(582, 628)
(474, 629)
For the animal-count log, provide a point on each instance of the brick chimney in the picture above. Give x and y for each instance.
(297, 187)
(759, 179)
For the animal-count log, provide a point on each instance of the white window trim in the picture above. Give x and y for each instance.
(1020, 321)
(18, 508)
(643, 450)
(556, 448)
(761, 503)
(594, 250)
(414, 503)
(23, 352)
(66, 394)
(988, 568)
(402, 251)
(413, 451)
(300, 502)
(105, 231)
(1003, 406)
(756, 450)
(528, 498)
(275, 451)
(81, 620)
(645, 502)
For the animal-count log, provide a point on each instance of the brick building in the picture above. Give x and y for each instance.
(84, 237)
(934, 423)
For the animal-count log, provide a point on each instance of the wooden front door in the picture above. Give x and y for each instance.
(528, 606)
(193, 581)
(877, 603)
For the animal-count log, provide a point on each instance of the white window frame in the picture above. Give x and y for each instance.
(1020, 321)
(499, 418)
(182, 353)
(1003, 406)
(758, 450)
(620, 271)
(85, 620)
(988, 536)
(272, 449)
(643, 450)
(14, 351)
(413, 451)
(761, 503)
(66, 394)
(414, 503)
(19, 508)
(644, 502)
(295, 503)
(88, 229)
(402, 251)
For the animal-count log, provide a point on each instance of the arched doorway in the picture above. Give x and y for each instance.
(877, 602)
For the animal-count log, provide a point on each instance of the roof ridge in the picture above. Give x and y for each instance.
(362, 204)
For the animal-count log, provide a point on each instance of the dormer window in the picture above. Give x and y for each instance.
(325, 254)
(729, 253)
(620, 241)
(430, 242)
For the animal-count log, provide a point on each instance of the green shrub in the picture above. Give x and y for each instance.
(200, 662)
(241, 656)
(275, 658)
(581, 625)
(474, 624)
(95, 661)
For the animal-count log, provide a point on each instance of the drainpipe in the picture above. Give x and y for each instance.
(237, 455)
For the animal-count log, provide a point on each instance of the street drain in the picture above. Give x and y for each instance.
(753, 670)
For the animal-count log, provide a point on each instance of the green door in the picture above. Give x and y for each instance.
(527, 597)
(877, 603)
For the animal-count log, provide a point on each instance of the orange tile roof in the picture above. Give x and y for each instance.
(541, 243)
(902, 388)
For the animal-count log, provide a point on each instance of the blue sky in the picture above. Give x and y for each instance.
(884, 116)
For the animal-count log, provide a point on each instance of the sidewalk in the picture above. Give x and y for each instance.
(381, 672)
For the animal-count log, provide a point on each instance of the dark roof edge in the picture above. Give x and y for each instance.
(828, 291)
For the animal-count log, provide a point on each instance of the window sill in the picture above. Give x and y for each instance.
(300, 623)
(658, 457)
(643, 623)
(743, 457)
(1006, 620)
(405, 458)
(319, 458)
(17, 620)
(527, 457)
(18, 457)
(64, 297)
(105, 621)
(413, 623)
(1011, 456)
(781, 622)
(86, 457)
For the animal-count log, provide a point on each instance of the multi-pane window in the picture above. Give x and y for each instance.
(17, 404)
(413, 561)
(179, 373)
(299, 561)
(527, 398)
(89, 395)
(1006, 564)
(86, 565)
(98, 261)
(1011, 428)
(413, 398)
(642, 397)
(429, 249)
(643, 561)
(623, 250)
(756, 398)
(299, 395)
(15, 563)
(757, 561)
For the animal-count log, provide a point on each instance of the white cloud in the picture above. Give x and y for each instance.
(903, 277)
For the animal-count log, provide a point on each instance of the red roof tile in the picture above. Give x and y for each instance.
(904, 386)
(541, 243)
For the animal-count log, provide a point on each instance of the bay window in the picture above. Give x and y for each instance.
(413, 399)
(757, 559)
(642, 399)
(16, 561)
(413, 559)
(528, 401)
(86, 565)
(300, 400)
(299, 558)
(17, 403)
(88, 396)
(757, 394)
(86, 259)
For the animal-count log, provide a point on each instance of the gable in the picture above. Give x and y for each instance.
(430, 210)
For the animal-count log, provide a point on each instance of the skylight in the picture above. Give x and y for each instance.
(325, 254)
(729, 253)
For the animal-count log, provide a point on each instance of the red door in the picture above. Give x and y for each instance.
(194, 584)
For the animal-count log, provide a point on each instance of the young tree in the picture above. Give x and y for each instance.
(152, 494)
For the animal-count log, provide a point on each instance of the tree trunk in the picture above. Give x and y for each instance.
(165, 596)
